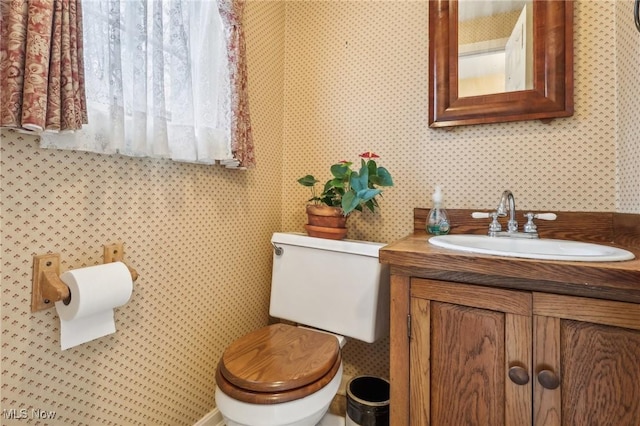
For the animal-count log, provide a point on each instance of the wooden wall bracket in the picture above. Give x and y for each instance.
(47, 287)
(115, 253)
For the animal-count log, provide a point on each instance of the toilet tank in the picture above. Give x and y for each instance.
(334, 285)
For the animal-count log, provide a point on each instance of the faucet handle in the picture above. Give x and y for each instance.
(530, 227)
(480, 215)
(494, 226)
(545, 216)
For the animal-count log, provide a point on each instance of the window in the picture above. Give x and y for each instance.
(160, 81)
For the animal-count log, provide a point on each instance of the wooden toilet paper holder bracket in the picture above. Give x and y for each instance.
(115, 253)
(47, 287)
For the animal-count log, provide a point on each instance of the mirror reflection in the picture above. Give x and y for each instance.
(495, 46)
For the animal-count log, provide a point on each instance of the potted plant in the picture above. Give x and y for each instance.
(347, 190)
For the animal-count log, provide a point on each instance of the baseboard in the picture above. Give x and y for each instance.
(212, 418)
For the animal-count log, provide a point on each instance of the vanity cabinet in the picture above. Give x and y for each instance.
(467, 354)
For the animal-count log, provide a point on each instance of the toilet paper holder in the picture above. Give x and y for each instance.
(47, 287)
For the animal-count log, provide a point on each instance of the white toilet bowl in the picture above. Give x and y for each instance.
(301, 412)
(279, 375)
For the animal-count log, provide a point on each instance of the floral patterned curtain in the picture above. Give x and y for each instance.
(41, 65)
(241, 134)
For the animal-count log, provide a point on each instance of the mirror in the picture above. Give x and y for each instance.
(495, 46)
(498, 61)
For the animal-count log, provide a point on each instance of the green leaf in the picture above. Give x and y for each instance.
(333, 183)
(367, 194)
(307, 180)
(371, 205)
(385, 177)
(349, 202)
(360, 181)
(373, 168)
(340, 170)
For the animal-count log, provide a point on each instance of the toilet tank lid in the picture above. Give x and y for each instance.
(363, 248)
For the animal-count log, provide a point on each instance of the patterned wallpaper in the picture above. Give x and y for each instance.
(197, 235)
(339, 78)
(628, 108)
(356, 80)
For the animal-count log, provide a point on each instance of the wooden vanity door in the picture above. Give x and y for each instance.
(465, 339)
(587, 354)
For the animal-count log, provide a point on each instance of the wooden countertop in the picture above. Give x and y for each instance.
(414, 256)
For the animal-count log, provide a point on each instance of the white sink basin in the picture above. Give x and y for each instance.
(547, 249)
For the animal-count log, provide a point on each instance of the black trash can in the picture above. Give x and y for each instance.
(367, 401)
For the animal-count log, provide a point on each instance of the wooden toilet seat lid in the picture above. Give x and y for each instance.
(279, 358)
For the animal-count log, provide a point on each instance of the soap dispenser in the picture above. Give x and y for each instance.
(438, 220)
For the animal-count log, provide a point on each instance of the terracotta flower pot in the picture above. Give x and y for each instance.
(326, 222)
(326, 232)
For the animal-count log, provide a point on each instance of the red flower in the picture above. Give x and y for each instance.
(369, 155)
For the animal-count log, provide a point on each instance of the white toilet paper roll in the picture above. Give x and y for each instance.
(95, 291)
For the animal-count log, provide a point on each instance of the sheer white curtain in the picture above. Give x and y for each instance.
(157, 81)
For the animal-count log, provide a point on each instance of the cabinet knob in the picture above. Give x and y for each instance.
(519, 375)
(548, 379)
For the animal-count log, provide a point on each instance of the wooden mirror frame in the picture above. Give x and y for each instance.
(552, 93)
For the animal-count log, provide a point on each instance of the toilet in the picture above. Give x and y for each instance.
(286, 375)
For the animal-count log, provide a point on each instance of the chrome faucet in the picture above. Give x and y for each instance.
(508, 203)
